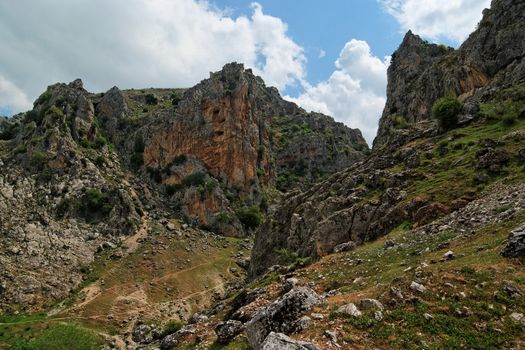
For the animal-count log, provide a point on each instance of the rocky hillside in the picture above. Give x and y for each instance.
(82, 173)
(419, 170)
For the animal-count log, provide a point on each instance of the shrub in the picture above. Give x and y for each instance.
(223, 217)
(400, 122)
(151, 99)
(172, 189)
(9, 131)
(250, 217)
(198, 178)
(292, 258)
(211, 184)
(100, 141)
(95, 202)
(509, 120)
(446, 111)
(20, 149)
(39, 159)
(171, 327)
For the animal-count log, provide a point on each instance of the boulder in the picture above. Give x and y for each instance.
(281, 315)
(344, 247)
(141, 334)
(279, 341)
(171, 341)
(228, 330)
(349, 309)
(515, 244)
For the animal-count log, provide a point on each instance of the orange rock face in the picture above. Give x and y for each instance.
(223, 134)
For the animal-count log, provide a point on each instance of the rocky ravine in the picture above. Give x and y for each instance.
(81, 172)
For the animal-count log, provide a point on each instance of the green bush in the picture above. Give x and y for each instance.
(95, 202)
(20, 149)
(100, 141)
(446, 111)
(39, 159)
(9, 132)
(224, 218)
(250, 217)
(171, 327)
(292, 258)
(151, 99)
(198, 178)
(172, 189)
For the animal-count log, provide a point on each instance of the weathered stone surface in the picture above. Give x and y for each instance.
(515, 244)
(228, 330)
(281, 315)
(279, 341)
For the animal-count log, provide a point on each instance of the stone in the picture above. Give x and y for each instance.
(378, 315)
(302, 324)
(349, 309)
(289, 284)
(515, 247)
(281, 315)
(417, 287)
(428, 317)
(517, 317)
(228, 330)
(331, 335)
(141, 334)
(449, 255)
(344, 247)
(171, 226)
(368, 304)
(172, 340)
(198, 318)
(279, 341)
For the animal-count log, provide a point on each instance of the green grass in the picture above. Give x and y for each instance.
(35, 333)
(478, 270)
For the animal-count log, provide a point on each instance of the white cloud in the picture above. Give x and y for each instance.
(355, 92)
(437, 19)
(322, 53)
(11, 97)
(138, 43)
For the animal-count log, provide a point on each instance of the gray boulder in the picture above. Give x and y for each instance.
(344, 247)
(515, 244)
(279, 341)
(281, 315)
(228, 330)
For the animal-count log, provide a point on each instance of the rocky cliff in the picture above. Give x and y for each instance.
(82, 173)
(408, 178)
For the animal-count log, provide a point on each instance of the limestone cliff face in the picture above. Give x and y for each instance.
(373, 197)
(244, 135)
(421, 73)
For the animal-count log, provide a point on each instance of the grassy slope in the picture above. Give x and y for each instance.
(149, 284)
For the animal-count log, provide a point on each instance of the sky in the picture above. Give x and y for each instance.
(327, 56)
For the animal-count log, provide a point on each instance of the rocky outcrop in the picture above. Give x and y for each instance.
(420, 73)
(241, 133)
(515, 244)
(281, 315)
(57, 206)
